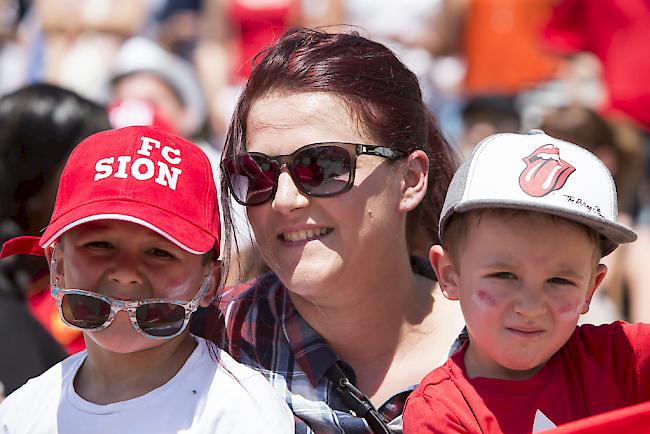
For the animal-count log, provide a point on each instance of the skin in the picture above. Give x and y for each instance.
(522, 282)
(127, 261)
(351, 280)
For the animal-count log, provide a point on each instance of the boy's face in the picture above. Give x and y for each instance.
(522, 281)
(127, 261)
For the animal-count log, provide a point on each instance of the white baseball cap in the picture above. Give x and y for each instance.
(537, 172)
(140, 54)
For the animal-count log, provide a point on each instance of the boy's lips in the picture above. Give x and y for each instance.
(526, 331)
(545, 171)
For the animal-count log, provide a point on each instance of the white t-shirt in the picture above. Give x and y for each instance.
(205, 396)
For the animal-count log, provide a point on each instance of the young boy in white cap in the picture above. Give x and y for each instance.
(133, 244)
(525, 223)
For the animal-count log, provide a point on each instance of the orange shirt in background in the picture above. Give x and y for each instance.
(502, 45)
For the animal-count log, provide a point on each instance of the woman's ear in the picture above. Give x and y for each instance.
(215, 282)
(416, 177)
(445, 271)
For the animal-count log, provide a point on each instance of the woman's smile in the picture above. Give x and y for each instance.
(291, 237)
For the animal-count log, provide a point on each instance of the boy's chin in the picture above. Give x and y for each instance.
(120, 342)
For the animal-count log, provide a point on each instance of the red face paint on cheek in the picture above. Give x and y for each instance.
(485, 298)
(569, 308)
(175, 287)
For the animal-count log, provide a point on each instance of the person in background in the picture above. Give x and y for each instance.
(341, 168)
(143, 72)
(29, 350)
(72, 43)
(486, 115)
(13, 58)
(231, 33)
(39, 126)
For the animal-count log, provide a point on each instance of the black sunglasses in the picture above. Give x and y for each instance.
(317, 169)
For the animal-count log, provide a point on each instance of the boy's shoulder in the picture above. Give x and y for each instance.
(600, 337)
(51, 379)
(212, 362)
(40, 394)
(617, 342)
(443, 378)
(438, 403)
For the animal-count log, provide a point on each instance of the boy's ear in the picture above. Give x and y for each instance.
(601, 272)
(416, 175)
(51, 252)
(445, 271)
(214, 284)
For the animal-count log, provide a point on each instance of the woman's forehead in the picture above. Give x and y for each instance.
(280, 123)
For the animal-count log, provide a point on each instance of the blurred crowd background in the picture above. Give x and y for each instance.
(579, 69)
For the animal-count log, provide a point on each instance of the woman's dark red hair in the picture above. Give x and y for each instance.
(378, 89)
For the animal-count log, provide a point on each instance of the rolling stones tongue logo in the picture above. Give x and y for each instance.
(544, 172)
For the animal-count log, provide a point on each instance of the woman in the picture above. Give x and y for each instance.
(342, 299)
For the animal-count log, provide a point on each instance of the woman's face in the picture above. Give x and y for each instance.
(318, 246)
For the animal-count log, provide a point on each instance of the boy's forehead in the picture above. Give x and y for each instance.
(115, 227)
(535, 219)
(539, 222)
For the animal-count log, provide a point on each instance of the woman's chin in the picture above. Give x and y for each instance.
(312, 278)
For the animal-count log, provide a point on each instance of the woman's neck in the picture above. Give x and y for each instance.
(374, 323)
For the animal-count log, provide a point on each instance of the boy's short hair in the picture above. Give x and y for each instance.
(142, 175)
(539, 173)
(460, 225)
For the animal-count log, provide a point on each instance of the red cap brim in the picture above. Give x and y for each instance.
(181, 232)
(26, 245)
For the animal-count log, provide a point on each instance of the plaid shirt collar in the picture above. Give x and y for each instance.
(310, 351)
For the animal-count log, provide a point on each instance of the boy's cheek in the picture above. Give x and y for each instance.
(491, 293)
(178, 288)
(570, 309)
(483, 298)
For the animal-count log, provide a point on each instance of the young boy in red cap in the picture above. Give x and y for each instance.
(525, 223)
(133, 244)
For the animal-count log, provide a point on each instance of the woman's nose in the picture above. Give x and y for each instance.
(287, 196)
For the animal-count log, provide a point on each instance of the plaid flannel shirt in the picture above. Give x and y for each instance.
(264, 331)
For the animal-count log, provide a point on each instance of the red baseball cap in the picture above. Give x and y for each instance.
(139, 174)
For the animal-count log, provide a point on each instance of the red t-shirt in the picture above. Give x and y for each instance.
(599, 369)
(617, 32)
(259, 26)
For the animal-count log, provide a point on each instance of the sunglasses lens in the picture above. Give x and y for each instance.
(323, 170)
(84, 311)
(252, 177)
(160, 319)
